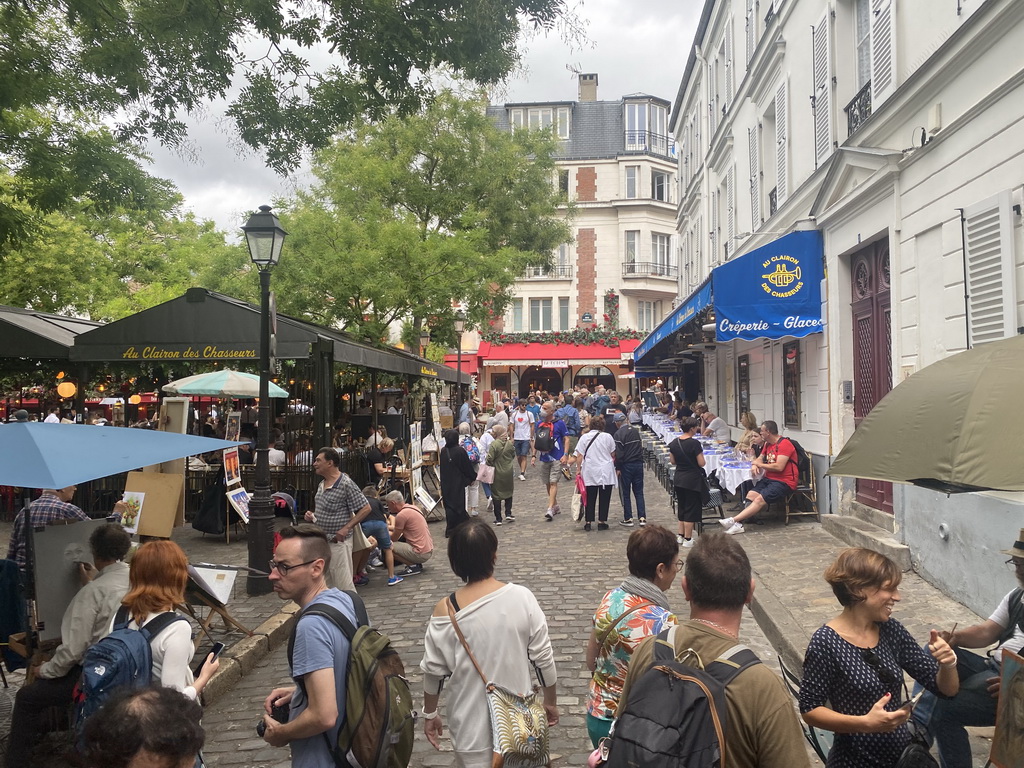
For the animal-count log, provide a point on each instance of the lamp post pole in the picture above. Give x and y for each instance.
(264, 237)
(460, 326)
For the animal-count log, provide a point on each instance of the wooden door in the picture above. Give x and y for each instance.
(872, 350)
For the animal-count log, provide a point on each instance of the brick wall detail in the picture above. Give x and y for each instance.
(586, 271)
(586, 184)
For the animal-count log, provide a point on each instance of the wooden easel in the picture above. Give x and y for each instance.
(197, 597)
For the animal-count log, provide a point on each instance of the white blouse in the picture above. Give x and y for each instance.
(598, 465)
(172, 655)
(508, 633)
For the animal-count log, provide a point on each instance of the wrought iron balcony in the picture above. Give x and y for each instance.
(554, 272)
(858, 110)
(655, 143)
(773, 201)
(649, 269)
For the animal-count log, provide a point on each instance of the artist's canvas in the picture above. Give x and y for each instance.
(58, 550)
(232, 470)
(239, 498)
(132, 516)
(234, 426)
(1008, 741)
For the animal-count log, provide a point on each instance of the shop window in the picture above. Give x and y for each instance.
(791, 383)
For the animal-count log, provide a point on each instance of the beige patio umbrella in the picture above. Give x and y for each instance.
(955, 426)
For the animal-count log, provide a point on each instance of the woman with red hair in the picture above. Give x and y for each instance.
(157, 578)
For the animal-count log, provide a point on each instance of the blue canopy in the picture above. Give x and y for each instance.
(771, 292)
(685, 312)
(37, 455)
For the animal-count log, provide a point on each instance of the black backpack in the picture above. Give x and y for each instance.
(676, 715)
(803, 461)
(544, 437)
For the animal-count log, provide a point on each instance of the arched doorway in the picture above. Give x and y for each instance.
(590, 376)
(536, 379)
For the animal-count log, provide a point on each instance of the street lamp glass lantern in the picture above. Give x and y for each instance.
(424, 338)
(460, 322)
(264, 236)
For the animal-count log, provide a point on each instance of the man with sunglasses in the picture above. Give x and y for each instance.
(319, 658)
(975, 703)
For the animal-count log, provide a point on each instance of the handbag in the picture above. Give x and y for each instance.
(519, 724)
(359, 540)
(485, 472)
(916, 753)
(579, 498)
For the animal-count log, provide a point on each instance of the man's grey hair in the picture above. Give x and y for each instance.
(464, 428)
(394, 497)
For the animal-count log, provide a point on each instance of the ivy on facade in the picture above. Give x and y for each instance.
(611, 308)
(610, 337)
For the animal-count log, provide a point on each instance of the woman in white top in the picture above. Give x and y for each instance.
(508, 634)
(596, 450)
(157, 578)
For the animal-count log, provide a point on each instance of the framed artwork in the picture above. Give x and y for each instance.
(791, 383)
(130, 517)
(239, 498)
(1008, 741)
(233, 428)
(232, 470)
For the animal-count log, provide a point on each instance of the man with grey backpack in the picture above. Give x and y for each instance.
(666, 718)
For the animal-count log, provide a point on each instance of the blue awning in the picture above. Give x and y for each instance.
(771, 292)
(698, 300)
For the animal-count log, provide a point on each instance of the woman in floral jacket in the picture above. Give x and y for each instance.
(636, 609)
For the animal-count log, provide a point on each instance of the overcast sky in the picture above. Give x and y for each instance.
(634, 46)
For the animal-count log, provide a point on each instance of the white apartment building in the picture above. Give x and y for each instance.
(616, 167)
(895, 129)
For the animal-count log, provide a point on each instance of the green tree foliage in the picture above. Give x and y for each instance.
(108, 267)
(416, 212)
(73, 67)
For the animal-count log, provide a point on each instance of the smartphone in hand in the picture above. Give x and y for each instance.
(217, 648)
(909, 705)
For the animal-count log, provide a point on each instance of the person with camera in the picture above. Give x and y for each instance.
(300, 716)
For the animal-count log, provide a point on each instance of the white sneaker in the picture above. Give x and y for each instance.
(522, 476)
(727, 522)
(680, 539)
(626, 523)
(549, 515)
(687, 543)
(736, 528)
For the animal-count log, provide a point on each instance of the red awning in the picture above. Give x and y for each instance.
(556, 355)
(469, 364)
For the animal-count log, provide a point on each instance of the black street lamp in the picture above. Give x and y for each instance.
(424, 341)
(460, 326)
(264, 236)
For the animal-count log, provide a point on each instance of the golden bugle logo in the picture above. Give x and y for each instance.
(783, 278)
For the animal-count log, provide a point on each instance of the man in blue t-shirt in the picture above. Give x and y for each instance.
(552, 462)
(320, 653)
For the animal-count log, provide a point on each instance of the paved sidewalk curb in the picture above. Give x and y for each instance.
(779, 625)
(242, 657)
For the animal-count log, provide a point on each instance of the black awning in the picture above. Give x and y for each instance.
(39, 335)
(205, 326)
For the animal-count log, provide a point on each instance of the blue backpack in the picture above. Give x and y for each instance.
(571, 417)
(469, 444)
(122, 658)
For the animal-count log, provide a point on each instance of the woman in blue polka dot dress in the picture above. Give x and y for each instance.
(854, 665)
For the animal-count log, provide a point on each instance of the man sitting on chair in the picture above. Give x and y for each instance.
(779, 462)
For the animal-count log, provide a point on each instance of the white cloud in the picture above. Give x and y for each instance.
(633, 47)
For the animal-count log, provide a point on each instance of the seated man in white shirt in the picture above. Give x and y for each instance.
(716, 427)
(275, 456)
(86, 621)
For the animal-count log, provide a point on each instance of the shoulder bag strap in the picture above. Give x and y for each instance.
(462, 639)
(608, 630)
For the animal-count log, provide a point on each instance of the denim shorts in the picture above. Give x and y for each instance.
(379, 530)
(523, 447)
(772, 490)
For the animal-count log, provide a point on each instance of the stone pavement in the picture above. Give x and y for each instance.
(569, 571)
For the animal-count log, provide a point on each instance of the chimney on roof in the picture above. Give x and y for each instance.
(588, 87)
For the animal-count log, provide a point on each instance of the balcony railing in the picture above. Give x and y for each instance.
(858, 110)
(556, 272)
(655, 143)
(649, 269)
(773, 201)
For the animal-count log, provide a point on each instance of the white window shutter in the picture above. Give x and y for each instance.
(822, 91)
(730, 64)
(730, 204)
(751, 29)
(781, 144)
(714, 226)
(883, 50)
(988, 241)
(755, 180)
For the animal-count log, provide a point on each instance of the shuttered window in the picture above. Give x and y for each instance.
(755, 180)
(781, 144)
(822, 91)
(991, 295)
(883, 50)
(730, 210)
(729, 64)
(751, 30)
